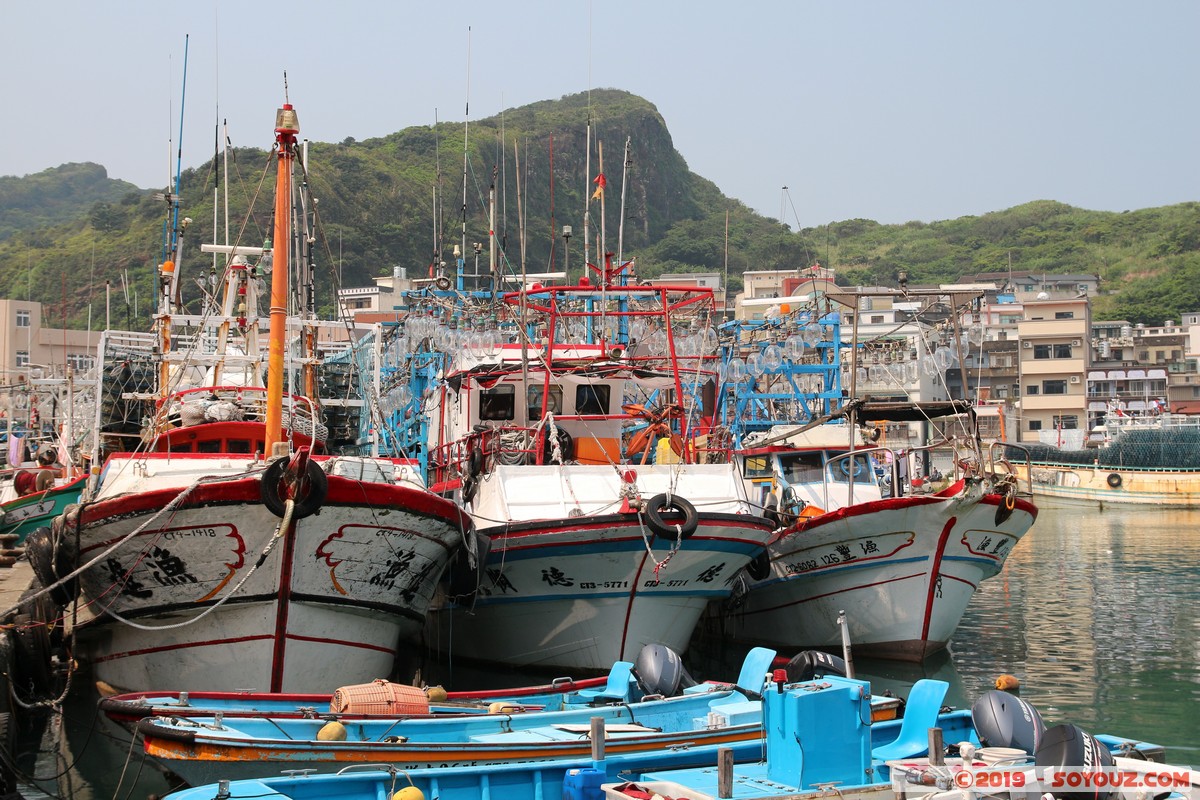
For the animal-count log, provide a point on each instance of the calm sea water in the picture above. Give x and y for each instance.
(1096, 612)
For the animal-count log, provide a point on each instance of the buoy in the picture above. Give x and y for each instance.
(409, 793)
(436, 694)
(501, 707)
(332, 732)
(1008, 683)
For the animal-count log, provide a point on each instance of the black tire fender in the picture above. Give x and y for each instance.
(50, 560)
(655, 507)
(566, 445)
(759, 567)
(1114, 480)
(312, 489)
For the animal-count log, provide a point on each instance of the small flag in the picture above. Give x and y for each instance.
(600, 182)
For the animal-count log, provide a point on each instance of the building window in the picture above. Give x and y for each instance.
(22, 358)
(1016, 390)
(1041, 351)
(1054, 387)
(1062, 351)
(1066, 422)
(1001, 391)
(23, 318)
(80, 362)
(1032, 389)
(1064, 315)
(1035, 424)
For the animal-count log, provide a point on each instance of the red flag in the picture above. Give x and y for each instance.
(600, 182)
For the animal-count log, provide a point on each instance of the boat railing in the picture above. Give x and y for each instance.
(999, 464)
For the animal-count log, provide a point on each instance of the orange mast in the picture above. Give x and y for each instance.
(287, 125)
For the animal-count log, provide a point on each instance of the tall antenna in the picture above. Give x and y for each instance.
(466, 123)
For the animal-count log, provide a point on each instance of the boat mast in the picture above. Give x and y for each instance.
(287, 125)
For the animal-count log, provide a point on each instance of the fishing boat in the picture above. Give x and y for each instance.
(869, 536)
(665, 714)
(130, 707)
(565, 441)
(224, 544)
(1128, 459)
(818, 731)
(816, 740)
(900, 569)
(21, 514)
(657, 667)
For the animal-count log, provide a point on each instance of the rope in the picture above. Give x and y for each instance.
(284, 525)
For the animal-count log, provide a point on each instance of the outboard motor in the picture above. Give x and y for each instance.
(660, 670)
(1005, 720)
(1068, 747)
(809, 664)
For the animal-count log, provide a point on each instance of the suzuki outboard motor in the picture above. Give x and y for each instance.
(1068, 747)
(660, 670)
(1005, 720)
(810, 663)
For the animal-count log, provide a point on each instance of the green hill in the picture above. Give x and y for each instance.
(74, 228)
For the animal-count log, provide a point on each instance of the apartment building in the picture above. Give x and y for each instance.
(1054, 359)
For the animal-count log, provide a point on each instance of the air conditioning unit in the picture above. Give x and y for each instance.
(1027, 344)
(1076, 343)
(1074, 379)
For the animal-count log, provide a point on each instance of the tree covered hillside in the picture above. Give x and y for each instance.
(397, 200)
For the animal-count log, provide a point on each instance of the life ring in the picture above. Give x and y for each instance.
(1114, 480)
(844, 467)
(654, 516)
(311, 491)
(759, 567)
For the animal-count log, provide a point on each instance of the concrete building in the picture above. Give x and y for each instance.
(1054, 359)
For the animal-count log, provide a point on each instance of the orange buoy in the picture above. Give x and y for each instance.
(1008, 683)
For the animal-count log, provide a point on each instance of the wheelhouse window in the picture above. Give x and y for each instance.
(499, 403)
(533, 399)
(592, 399)
(802, 468)
(841, 469)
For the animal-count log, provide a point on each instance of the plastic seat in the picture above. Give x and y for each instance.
(615, 690)
(753, 676)
(755, 667)
(920, 714)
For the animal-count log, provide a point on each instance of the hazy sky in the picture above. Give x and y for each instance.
(892, 111)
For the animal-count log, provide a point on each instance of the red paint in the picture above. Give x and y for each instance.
(282, 605)
(934, 569)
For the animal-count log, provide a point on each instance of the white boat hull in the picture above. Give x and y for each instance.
(212, 595)
(903, 571)
(582, 593)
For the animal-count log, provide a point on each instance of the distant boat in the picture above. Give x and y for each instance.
(1139, 460)
(21, 515)
(221, 546)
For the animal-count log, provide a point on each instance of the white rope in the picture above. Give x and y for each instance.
(284, 524)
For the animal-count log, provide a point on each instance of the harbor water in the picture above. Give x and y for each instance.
(1097, 613)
